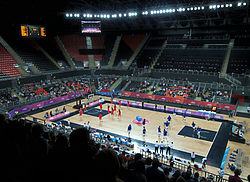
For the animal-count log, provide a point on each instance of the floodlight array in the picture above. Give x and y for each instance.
(161, 11)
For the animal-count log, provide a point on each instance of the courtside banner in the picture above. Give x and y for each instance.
(126, 93)
(180, 100)
(44, 103)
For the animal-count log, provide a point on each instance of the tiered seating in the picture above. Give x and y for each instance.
(128, 45)
(73, 43)
(149, 53)
(97, 43)
(7, 97)
(49, 45)
(133, 41)
(239, 61)
(31, 54)
(7, 64)
(105, 83)
(209, 60)
(146, 57)
(109, 41)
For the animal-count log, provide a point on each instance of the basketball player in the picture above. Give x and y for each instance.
(169, 118)
(165, 134)
(199, 132)
(144, 132)
(184, 116)
(101, 107)
(120, 103)
(128, 104)
(129, 130)
(193, 125)
(108, 109)
(115, 107)
(85, 107)
(167, 124)
(80, 111)
(119, 113)
(144, 122)
(159, 131)
(100, 117)
(112, 111)
(111, 100)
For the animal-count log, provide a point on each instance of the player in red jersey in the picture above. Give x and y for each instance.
(108, 109)
(80, 111)
(114, 107)
(100, 116)
(119, 113)
(120, 103)
(111, 101)
(128, 104)
(101, 107)
(112, 111)
(85, 108)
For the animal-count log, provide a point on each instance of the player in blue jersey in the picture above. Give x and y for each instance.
(165, 135)
(167, 124)
(129, 130)
(159, 131)
(184, 116)
(198, 132)
(193, 125)
(144, 131)
(144, 122)
(169, 118)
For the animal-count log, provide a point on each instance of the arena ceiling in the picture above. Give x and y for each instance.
(53, 11)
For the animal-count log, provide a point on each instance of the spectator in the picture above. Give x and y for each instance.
(236, 177)
(137, 174)
(154, 174)
(107, 165)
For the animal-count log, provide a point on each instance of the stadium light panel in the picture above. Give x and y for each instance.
(120, 15)
(70, 15)
(164, 11)
(124, 14)
(202, 7)
(239, 3)
(230, 5)
(244, 4)
(67, 15)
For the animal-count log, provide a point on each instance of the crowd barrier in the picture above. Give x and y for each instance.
(27, 108)
(180, 100)
(171, 110)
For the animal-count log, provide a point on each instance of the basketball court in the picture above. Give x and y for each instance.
(211, 144)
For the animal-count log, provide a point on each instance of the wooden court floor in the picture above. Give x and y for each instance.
(119, 126)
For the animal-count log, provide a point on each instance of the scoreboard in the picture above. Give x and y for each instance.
(32, 31)
(90, 27)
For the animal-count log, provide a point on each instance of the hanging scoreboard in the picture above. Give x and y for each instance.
(91, 27)
(33, 31)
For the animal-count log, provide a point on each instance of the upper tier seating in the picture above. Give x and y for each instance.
(239, 61)
(30, 53)
(73, 43)
(50, 46)
(209, 60)
(97, 43)
(7, 64)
